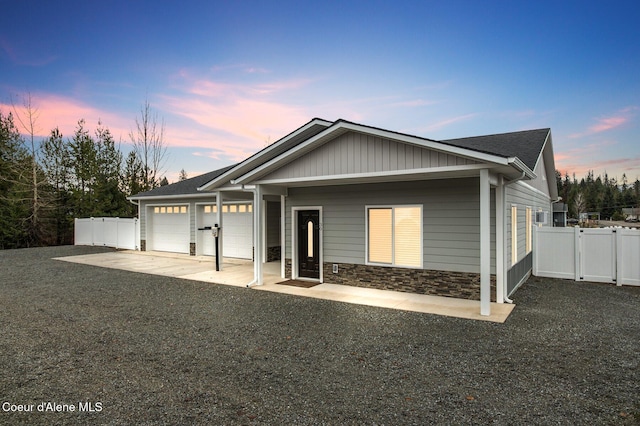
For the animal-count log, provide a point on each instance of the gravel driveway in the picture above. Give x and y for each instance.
(142, 349)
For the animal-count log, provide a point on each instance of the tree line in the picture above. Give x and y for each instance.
(602, 194)
(46, 183)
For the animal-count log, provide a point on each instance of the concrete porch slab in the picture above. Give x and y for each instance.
(239, 273)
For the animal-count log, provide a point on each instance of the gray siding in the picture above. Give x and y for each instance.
(540, 183)
(354, 152)
(273, 224)
(523, 196)
(451, 218)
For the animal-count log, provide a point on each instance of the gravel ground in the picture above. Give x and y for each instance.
(145, 349)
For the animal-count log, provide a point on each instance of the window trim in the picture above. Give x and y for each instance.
(393, 233)
(529, 230)
(514, 234)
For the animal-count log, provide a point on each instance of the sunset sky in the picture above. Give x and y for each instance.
(229, 77)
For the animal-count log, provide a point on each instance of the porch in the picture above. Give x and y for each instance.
(239, 273)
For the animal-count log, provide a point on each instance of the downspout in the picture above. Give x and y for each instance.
(519, 178)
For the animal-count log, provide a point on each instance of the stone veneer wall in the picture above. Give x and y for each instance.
(143, 245)
(192, 249)
(273, 254)
(463, 285)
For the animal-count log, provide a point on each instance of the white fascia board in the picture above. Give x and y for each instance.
(519, 165)
(346, 126)
(250, 162)
(532, 189)
(171, 197)
(373, 175)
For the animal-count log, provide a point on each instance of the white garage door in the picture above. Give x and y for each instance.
(237, 230)
(170, 229)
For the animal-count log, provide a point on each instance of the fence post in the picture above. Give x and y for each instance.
(535, 251)
(577, 254)
(618, 267)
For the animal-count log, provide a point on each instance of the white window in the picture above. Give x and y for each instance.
(394, 235)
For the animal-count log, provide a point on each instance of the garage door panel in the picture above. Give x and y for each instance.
(170, 231)
(237, 233)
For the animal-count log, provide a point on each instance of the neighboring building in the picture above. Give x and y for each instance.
(340, 202)
(560, 212)
(631, 214)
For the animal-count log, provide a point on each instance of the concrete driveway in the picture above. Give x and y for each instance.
(239, 273)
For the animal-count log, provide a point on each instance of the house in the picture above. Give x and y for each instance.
(631, 214)
(345, 203)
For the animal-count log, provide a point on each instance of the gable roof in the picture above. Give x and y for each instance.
(518, 152)
(342, 126)
(185, 187)
(526, 145)
(280, 146)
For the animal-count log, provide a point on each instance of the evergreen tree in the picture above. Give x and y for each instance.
(15, 173)
(56, 162)
(108, 197)
(83, 156)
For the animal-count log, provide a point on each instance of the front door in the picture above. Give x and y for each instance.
(309, 244)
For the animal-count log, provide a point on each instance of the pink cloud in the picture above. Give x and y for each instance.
(609, 123)
(604, 124)
(413, 103)
(593, 157)
(449, 121)
(64, 113)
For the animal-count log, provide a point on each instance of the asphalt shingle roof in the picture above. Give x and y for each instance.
(526, 145)
(185, 187)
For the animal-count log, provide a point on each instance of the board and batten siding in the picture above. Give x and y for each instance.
(451, 220)
(354, 152)
(523, 195)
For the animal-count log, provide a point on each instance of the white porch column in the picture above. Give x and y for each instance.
(257, 235)
(219, 222)
(283, 235)
(500, 249)
(485, 243)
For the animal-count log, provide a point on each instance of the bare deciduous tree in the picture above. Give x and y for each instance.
(27, 118)
(149, 146)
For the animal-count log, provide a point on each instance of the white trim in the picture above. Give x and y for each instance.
(514, 236)
(283, 235)
(366, 238)
(263, 221)
(294, 243)
(485, 243)
(342, 127)
(531, 188)
(501, 272)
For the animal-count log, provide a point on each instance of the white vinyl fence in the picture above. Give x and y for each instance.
(610, 255)
(122, 233)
